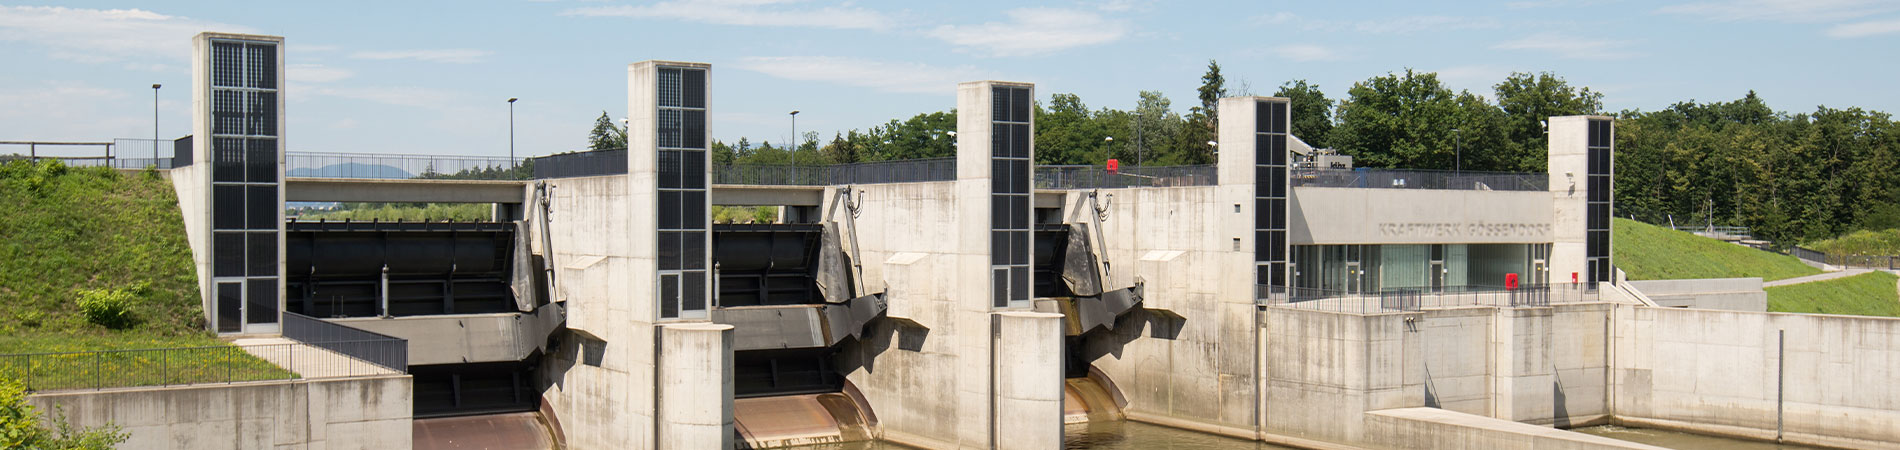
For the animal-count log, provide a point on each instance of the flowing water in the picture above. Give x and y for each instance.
(1680, 440)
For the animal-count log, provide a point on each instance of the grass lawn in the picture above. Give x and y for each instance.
(1864, 242)
(1649, 252)
(46, 361)
(68, 230)
(1868, 294)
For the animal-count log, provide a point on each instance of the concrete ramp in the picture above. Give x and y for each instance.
(797, 420)
(1429, 428)
(495, 431)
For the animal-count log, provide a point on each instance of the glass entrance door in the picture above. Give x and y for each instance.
(246, 306)
(1353, 276)
(1437, 274)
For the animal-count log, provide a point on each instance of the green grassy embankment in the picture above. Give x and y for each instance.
(1864, 242)
(1868, 294)
(1649, 252)
(70, 231)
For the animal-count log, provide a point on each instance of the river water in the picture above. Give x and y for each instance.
(1680, 440)
(1116, 435)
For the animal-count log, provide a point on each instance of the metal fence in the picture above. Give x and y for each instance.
(382, 350)
(401, 166)
(1416, 299)
(1421, 179)
(1097, 177)
(118, 154)
(581, 164)
(902, 171)
(106, 369)
(1885, 262)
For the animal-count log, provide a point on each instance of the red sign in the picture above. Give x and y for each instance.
(1114, 165)
(1510, 281)
(1573, 278)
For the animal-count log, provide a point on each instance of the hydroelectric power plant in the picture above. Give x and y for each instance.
(980, 301)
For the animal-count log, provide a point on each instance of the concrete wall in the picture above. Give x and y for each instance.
(1327, 215)
(1568, 161)
(601, 378)
(1324, 371)
(1428, 428)
(1191, 251)
(1720, 372)
(1730, 294)
(370, 412)
(465, 338)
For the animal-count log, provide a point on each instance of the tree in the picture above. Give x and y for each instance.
(1311, 111)
(1528, 102)
(1406, 121)
(606, 135)
(21, 427)
(1203, 122)
(1067, 133)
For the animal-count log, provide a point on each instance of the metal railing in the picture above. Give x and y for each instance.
(901, 171)
(1807, 254)
(375, 348)
(118, 154)
(1884, 262)
(1421, 179)
(401, 166)
(1416, 299)
(1718, 230)
(1093, 177)
(105, 369)
(581, 164)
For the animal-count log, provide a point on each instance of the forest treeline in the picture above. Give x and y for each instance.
(1791, 177)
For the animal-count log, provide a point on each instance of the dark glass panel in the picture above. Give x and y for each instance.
(671, 128)
(1019, 105)
(999, 212)
(694, 174)
(1279, 118)
(694, 88)
(1262, 118)
(262, 208)
(227, 112)
(1019, 283)
(669, 296)
(1276, 274)
(262, 301)
(227, 207)
(999, 140)
(693, 210)
(696, 130)
(693, 250)
(1019, 247)
(1278, 213)
(262, 66)
(693, 291)
(1276, 249)
(1019, 212)
(999, 176)
(999, 248)
(670, 168)
(1019, 176)
(260, 160)
(999, 287)
(227, 160)
(1262, 217)
(261, 118)
(999, 104)
(1276, 182)
(261, 252)
(670, 210)
(669, 250)
(227, 64)
(670, 90)
(1262, 150)
(1277, 155)
(230, 307)
(227, 254)
(1019, 141)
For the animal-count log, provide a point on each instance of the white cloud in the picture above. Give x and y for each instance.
(882, 76)
(1308, 52)
(1571, 47)
(1798, 11)
(773, 13)
(105, 35)
(1530, 4)
(414, 97)
(1123, 5)
(447, 55)
(1393, 25)
(1864, 29)
(315, 73)
(1035, 31)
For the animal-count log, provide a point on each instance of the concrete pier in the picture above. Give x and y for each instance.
(695, 405)
(1028, 386)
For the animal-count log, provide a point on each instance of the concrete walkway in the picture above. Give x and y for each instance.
(1814, 278)
(308, 361)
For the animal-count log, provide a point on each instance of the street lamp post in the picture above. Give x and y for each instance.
(511, 132)
(794, 140)
(155, 87)
(1458, 136)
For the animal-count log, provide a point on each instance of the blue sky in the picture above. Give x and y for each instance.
(433, 77)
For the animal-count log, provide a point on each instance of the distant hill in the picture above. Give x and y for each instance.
(350, 170)
(1649, 252)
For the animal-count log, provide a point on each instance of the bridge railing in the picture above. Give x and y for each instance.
(375, 348)
(403, 166)
(1419, 298)
(1097, 177)
(1421, 179)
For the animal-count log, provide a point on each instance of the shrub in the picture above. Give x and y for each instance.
(110, 308)
(20, 426)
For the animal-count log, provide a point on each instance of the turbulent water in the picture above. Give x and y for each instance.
(1679, 440)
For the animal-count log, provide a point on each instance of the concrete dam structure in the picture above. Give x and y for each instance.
(980, 302)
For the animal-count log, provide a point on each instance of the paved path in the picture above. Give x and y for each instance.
(308, 361)
(1814, 278)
